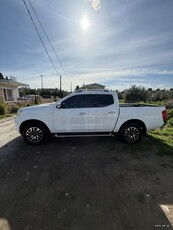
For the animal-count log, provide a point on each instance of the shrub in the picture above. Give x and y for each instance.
(2, 109)
(14, 109)
(169, 104)
(169, 114)
(135, 94)
(170, 123)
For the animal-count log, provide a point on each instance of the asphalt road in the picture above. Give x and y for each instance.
(83, 184)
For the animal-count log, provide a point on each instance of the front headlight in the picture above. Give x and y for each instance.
(19, 112)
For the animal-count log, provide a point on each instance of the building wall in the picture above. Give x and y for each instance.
(93, 86)
(15, 93)
(1, 94)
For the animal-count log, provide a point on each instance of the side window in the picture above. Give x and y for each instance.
(102, 100)
(78, 101)
(69, 103)
(82, 101)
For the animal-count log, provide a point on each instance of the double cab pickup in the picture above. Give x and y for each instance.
(85, 113)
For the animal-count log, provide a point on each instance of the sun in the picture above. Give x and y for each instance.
(84, 23)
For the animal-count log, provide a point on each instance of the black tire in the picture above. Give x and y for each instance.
(131, 133)
(35, 133)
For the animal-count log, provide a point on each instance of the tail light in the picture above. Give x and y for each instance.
(164, 115)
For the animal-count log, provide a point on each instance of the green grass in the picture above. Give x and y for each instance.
(121, 101)
(5, 116)
(165, 135)
(163, 140)
(160, 140)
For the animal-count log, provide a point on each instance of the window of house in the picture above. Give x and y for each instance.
(8, 94)
(5, 95)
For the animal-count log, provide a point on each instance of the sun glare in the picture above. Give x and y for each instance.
(84, 23)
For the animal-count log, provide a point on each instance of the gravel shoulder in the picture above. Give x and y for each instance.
(8, 131)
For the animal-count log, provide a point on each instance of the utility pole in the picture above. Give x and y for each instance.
(60, 84)
(71, 86)
(41, 80)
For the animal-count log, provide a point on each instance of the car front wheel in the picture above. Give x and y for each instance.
(35, 134)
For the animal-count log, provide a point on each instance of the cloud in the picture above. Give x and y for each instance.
(124, 78)
(95, 4)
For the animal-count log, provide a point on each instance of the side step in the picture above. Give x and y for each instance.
(86, 134)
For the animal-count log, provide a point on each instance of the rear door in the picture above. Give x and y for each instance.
(102, 113)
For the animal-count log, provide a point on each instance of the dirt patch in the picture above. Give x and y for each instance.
(86, 183)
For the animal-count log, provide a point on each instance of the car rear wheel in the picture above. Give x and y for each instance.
(131, 133)
(35, 134)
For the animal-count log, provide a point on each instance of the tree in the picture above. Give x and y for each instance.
(160, 95)
(135, 94)
(1, 76)
(24, 91)
(120, 95)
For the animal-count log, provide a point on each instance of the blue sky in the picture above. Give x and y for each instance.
(127, 42)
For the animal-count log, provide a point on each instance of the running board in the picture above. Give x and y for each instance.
(92, 134)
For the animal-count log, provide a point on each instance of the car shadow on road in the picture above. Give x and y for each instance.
(86, 183)
(9, 148)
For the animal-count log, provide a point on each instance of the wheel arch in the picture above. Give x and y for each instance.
(23, 124)
(135, 121)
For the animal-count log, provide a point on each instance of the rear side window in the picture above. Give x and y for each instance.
(101, 100)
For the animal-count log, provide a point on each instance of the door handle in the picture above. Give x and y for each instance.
(111, 112)
(82, 113)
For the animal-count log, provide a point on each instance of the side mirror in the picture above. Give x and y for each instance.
(61, 106)
(58, 106)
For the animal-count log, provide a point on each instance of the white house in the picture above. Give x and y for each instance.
(9, 90)
(93, 86)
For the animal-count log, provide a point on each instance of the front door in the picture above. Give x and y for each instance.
(72, 116)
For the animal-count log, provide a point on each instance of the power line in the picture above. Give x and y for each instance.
(40, 38)
(48, 40)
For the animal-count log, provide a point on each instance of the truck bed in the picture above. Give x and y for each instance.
(137, 105)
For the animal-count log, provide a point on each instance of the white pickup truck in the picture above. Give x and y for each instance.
(84, 113)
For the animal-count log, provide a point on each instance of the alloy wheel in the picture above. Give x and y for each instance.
(131, 134)
(34, 134)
